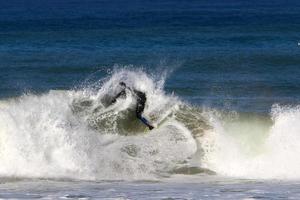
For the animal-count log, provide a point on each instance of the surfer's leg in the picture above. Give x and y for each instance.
(139, 110)
(145, 121)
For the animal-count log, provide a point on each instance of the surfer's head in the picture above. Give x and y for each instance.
(122, 84)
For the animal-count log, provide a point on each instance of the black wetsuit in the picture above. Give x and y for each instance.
(120, 94)
(140, 105)
(141, 101)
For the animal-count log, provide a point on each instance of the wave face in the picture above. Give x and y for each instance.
(78, 134)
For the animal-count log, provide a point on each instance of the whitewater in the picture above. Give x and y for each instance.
(78, 135)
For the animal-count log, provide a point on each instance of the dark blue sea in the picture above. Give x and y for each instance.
(222, 81)
(233, 54)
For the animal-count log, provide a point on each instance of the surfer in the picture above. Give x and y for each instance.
(141, 101)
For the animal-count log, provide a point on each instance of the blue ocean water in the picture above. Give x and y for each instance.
(60, 138)
(236, 54)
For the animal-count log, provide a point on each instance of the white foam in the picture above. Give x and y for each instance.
(274, 154)
(41, 135)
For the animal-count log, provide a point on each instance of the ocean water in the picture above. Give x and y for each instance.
(222, 80)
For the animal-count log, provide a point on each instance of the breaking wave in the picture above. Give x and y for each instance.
(259, 147)
(78, 134)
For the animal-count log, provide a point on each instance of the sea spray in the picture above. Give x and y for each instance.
(78, 134)
(53, 135)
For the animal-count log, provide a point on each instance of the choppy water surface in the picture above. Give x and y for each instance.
(193, 189)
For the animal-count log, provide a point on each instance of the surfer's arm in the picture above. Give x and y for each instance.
(122, 93)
